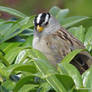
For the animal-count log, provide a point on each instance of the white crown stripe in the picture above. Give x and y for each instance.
(46, 19)
(39, 17)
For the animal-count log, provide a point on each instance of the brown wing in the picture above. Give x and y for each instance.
(62, 42)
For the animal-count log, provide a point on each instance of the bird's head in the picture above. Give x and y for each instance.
(45, 23)
(41, 21)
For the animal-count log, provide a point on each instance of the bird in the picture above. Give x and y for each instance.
(55, 42)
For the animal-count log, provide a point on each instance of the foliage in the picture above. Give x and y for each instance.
(24, 69)
(78, 7)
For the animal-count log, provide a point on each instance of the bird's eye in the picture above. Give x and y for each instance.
(46, 23)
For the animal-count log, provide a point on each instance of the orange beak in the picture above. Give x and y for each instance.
(39, 28)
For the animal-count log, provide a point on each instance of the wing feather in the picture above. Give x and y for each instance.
(62, 42)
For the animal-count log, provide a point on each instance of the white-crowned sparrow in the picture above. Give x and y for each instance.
(55, 42)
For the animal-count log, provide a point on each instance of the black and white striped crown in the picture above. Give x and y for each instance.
(42, 19)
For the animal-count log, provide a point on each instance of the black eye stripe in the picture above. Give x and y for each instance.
(35, 23)
(46, 23)
(42, 18)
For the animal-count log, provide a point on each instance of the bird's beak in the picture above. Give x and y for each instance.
(39, 28)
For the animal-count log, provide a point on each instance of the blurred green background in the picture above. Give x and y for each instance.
(29, 7)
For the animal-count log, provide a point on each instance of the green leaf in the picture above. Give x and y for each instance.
(4, 61)
(12, 11)
(56, 83)
(23, 81)
(70, 70)
(28, 88)
(11, 51)
(4, 45)
(4, 27)
(21, 57)
(38, 56)
(54, 10)
(21, 67)
(78, 32)
(67, 81)
(81, 90)
(45, 87)
(27, 32)
(3, 72)
(46, 70)
(62, 14)
(70, 21)
(71, 55)
(87, 79)
(88, 39)
(28, 41)
(9, 85)
(16, 28)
